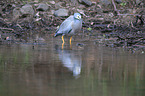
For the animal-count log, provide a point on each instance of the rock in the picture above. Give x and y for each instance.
(141, 4)
(138, 2)
(8, 39)
(105, 2)
(13, 5)
(52, 11)
(27, 10)
(16, 13)
(118, 1)
(61, 12)
(86, 2)
(52, 2)
(58, 5)
(42, 7)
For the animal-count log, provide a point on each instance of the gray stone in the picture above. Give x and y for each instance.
(13, 5)
(16, 13)
(138, 2)
(52, 2)
(58, 5)
(86, 2)
(42, 7)
(27, 10)
(105, 2)
(61, 12)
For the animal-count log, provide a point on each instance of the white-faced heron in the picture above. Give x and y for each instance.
(69, 26)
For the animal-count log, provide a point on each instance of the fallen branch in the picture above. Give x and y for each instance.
(129, 14)
(9, 29)
(115, 9)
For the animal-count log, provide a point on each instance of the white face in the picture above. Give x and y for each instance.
(78, 17)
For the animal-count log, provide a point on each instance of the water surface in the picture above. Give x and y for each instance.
(44, 69)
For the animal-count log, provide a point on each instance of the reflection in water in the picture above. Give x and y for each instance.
(70, 60)
(47, 71)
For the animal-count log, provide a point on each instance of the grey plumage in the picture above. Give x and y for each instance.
(69, 26)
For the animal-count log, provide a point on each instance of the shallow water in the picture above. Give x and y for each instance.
(44, 69)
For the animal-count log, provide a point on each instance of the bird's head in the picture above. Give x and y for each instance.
(77, 16)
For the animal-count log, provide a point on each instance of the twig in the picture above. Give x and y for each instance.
(19, 26)
(129, 14)
(9, 29)
(115, 9)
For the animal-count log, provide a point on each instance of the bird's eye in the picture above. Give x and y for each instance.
(79, 17)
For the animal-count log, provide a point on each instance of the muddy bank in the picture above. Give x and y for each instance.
(113, 23)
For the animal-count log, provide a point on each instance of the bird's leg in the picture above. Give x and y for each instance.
(62, 41)
(70, 42)
(62, 45)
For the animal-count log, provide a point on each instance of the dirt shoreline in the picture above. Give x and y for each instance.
(122, 27)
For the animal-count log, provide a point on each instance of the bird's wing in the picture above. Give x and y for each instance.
(66, 26)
